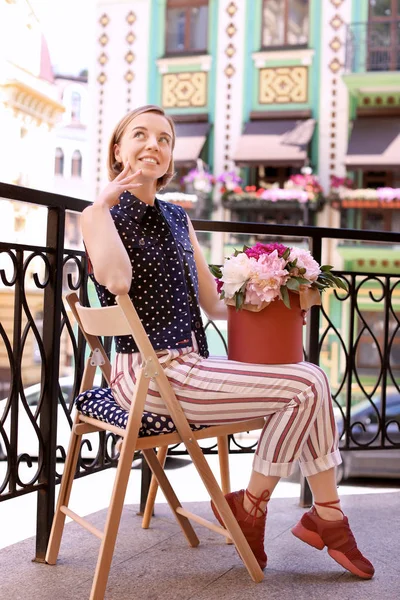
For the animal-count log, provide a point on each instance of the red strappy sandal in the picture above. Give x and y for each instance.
(338, 538)
(252, 526)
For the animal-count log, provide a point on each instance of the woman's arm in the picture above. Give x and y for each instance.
(209, 298)
(111, 265)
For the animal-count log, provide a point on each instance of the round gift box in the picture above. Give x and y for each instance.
(274, 335)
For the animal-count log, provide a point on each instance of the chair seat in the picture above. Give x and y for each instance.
(99, 403)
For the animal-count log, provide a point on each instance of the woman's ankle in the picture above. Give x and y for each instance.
(329, 514)
(256, 505)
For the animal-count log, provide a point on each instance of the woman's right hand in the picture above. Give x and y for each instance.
(124, 181)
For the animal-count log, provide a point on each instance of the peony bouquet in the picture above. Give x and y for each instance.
(255, 276)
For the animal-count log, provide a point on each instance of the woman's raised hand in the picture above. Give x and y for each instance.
(124, 181)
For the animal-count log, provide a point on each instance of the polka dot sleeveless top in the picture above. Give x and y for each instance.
(164, 287)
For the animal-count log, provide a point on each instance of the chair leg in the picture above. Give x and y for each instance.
(171, 497)
(151, 497)
(224, 510)
(112, 524)
(223, 455)
(67, 479)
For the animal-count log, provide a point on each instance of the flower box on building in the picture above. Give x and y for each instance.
(382, 198)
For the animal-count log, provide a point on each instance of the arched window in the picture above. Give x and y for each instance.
(75, 107)
(76, 164)
(59, 162)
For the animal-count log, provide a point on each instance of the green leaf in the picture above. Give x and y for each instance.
(216, 271)
(292, 284)
(286, 254)
(285, 296)
(326, 267)
(239, 300)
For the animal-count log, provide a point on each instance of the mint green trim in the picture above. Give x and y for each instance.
(359, 11)
(352, 254)
(286, 62)
(190, 110)
(157, 47)
(186, 68)
(372, 80)
(252, 43)
(289, 106)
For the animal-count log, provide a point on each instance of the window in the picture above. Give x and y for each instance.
(59, 162)
(285, 23)
(383, 39)
(75, 107)
(76, 164)
(187, 26)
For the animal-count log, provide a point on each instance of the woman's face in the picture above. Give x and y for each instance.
(147, 145)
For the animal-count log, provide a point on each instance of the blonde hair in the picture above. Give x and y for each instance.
(114, 167)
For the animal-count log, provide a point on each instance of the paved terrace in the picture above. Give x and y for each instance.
(157, 564)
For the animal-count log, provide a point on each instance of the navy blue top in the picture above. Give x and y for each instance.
(164, 289)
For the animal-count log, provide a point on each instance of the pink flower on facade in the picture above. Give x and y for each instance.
(268, 275)
(305, 261)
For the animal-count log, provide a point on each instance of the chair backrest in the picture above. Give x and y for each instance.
(122, 319)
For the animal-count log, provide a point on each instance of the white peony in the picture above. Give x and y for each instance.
(305, 261)
(235, 272)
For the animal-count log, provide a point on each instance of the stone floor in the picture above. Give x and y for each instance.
(157, 564)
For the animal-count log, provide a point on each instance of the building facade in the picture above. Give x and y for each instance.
(265, 90)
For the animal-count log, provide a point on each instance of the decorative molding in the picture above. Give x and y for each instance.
(229, 72)
(203, 60)
(303, 55)
(129, 57)
(336, 66)
(283, 85)
(31, 104)
(102, 59)
(184, 90)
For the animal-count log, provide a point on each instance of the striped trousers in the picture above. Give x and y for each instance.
(294, 399)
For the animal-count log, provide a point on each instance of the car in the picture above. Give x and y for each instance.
(28, 441)
(366, 431)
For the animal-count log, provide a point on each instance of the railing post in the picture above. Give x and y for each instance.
(51, 344)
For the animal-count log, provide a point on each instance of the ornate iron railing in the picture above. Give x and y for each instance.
(48, 271)
(373, 46)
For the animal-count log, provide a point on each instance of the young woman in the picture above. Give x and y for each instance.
(140, 245)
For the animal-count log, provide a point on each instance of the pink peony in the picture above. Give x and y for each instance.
(219, 285)
(260, 249)
(305, 261)
(268, 275)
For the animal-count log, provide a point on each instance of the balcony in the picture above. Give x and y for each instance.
(372, 61)
(35, 275)
(373, 46)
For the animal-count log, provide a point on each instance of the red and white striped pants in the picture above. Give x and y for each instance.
(294, 399)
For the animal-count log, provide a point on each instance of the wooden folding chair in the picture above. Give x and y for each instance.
(118, 320)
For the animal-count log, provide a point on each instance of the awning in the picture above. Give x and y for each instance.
(190, 139)
(374, 143)
(274, 142)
